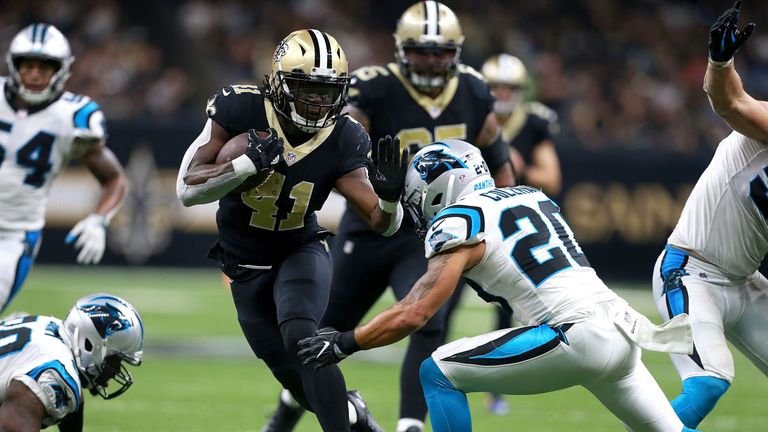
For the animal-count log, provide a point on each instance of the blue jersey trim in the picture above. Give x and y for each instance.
(62, 371)
(5, 127)
(24, 264)
(472, 215)
(83, 115)
(674, 259)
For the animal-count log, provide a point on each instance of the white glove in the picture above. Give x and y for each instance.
(91, 235)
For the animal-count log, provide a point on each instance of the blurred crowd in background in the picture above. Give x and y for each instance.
(621, 74)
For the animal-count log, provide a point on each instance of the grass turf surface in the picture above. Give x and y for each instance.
(199, 375)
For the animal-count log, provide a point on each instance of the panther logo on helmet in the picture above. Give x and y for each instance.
(106, 318)
(104, 332)
(438, 176)
(432, 164)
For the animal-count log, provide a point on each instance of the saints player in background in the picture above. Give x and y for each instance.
(43, 127)
(426, 95)
(46, 363)
(709, 267)
(528, 126)
(270, 244)
(514, 248)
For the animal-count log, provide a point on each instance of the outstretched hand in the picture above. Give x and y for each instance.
(390, 165)
(725, 38)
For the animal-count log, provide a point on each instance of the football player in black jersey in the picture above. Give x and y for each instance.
(427, 95)
(529, 127)
(270, 244)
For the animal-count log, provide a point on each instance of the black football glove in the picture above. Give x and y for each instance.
(326, 348)
(390, 164)
(725, 38)
(264, 152)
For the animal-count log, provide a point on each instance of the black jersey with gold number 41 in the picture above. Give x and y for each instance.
(263, 224)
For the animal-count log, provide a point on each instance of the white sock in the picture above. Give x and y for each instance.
(404, 423)
(352, 413)
(288, 399)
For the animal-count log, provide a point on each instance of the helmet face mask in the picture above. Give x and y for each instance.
(438, 175)
(106, 332)
(39, 42)
(309, 80)
(428, 43)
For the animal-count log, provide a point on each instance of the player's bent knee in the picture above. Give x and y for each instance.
(699, 396)
(432, 378)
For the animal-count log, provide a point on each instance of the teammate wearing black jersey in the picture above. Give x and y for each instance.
(528, 126)
(426, 96)
(270, 244)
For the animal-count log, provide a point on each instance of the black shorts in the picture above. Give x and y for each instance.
(297, 287)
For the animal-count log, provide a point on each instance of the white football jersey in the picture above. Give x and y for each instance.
(34, 147)
(724, 219)
(532, 262)
(32, 351)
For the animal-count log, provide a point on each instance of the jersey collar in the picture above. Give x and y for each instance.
(433, 107)
(292, 154)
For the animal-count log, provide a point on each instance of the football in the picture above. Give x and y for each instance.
(234, 148)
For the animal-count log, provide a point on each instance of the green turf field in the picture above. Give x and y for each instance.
(198, 374)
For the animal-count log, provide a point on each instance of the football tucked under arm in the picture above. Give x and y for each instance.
(235, 148)
(214, 188)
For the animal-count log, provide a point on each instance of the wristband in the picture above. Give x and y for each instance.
(720, 65)
(347, 343)
(243, 166)
(388, 206)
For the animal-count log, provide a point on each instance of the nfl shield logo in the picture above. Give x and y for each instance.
(290, 157)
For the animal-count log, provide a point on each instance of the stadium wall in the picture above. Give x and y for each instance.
(621, 205)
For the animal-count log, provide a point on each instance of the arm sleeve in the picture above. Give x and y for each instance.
(453, 228)
(56, 388)
(89, 122)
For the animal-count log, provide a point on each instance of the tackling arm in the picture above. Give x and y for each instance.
(429, 293)
(21, 411)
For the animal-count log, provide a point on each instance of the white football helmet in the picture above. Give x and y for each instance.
(440, 174)
(309, 80)
(44, 42)
(105, 331)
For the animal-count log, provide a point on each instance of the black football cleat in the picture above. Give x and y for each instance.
(284, 419)
(365, 420)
